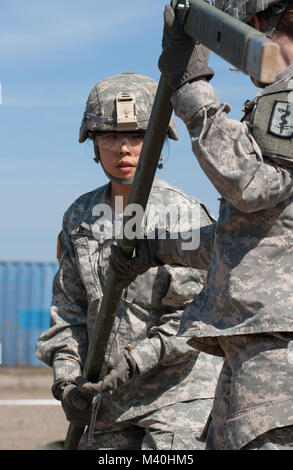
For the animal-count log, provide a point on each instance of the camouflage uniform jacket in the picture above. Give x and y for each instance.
(249, 283)
(147, 319)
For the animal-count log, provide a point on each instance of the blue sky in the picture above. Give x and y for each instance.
(52, 53)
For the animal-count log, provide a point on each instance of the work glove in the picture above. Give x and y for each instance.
(118, 376)
(183, 59)
(127, 269)
(77, 408)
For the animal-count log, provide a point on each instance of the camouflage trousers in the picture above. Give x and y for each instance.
(174, 427)
(253, 405)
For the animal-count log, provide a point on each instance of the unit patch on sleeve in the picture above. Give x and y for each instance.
(272, 125)
(281, 122)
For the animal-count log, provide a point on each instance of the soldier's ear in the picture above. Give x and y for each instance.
(255, 22)
(258, 22)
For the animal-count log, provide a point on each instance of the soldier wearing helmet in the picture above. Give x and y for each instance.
(245, 310)
(157, 392)
(110, 112)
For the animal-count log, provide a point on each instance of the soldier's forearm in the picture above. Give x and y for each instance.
(161, 351)
(191, 249)
(64, 367)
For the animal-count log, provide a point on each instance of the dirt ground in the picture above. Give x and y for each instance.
(26, 425)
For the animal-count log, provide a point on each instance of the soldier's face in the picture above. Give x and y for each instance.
(120, 152)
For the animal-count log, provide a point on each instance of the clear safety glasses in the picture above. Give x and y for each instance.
(114, 140)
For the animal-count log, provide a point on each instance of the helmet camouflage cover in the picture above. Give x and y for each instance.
(243, 10)
(121, 103)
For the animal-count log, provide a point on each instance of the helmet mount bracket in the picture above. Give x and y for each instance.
(126, 112)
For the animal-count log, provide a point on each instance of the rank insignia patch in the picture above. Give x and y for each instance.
(281, 122)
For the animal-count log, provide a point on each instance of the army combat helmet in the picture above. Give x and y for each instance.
(120, 103)
(244, 10)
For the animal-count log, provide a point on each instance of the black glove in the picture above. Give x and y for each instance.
(77, 408)
(183, 59)
(128, 269)
(118, 376)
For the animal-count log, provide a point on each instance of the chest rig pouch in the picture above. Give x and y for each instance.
(273, 121)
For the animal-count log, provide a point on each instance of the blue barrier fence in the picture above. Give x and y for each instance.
(25, 297)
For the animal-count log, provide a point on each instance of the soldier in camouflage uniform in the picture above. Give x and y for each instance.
(157, 391)
(245, 311)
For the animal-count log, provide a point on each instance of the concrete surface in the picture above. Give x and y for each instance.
(31, 424)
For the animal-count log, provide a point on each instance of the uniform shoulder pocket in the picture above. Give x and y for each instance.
(87, 255)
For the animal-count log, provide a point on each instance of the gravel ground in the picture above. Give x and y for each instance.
(24, 426)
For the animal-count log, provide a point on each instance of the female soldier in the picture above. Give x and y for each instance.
(245, 311)
(149, 400)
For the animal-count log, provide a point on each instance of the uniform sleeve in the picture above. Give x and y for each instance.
(228, 153)
(162, 347)
(174, 251)
(64, 345)
(193, 248)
